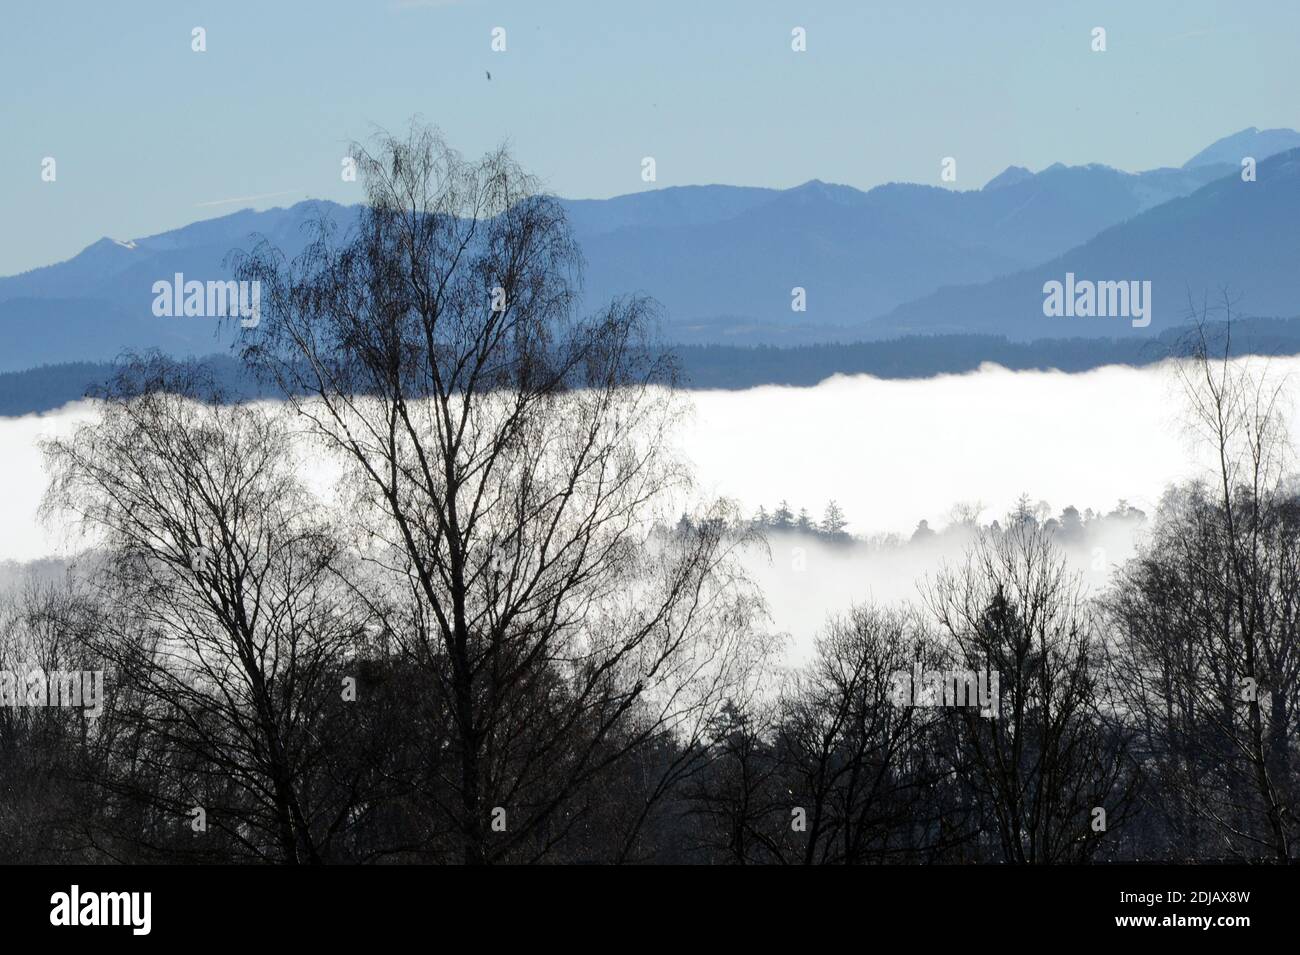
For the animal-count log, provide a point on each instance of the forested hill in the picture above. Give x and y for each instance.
(734, 367)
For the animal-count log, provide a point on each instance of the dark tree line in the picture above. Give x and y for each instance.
(806, 356)
(504, 645)
(831, 526)
(1071, 526)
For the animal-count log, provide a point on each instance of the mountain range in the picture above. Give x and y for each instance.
(1230, 237)
(723, 260)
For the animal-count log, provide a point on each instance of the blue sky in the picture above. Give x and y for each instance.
(149, 135)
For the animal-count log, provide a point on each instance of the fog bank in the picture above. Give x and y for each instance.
(890, 452)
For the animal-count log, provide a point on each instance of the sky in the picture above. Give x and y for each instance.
(147, 134)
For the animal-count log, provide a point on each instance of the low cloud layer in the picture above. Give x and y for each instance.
(891, 453)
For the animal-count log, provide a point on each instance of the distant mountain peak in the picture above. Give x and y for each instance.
(817, 185)
(1009, 177)
(1251, 141)
(832, 191)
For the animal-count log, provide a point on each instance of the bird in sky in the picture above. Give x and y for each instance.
(489, 74)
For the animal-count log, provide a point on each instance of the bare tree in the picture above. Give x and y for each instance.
(1044, 759)
(510, 462)
(45, 636)
(859, 760)
(1210, 653)
(225, 614)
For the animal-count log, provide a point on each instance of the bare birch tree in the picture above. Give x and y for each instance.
(511, 461)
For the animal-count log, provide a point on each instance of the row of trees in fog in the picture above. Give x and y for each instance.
(1071, 526)
(504, 644)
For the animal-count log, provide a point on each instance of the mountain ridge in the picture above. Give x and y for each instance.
(1232, 237)
(723, 260)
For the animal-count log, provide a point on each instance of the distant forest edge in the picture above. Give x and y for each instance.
(735, 367)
